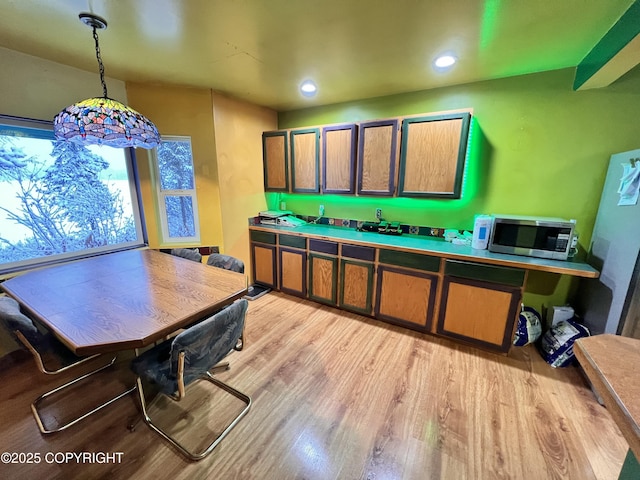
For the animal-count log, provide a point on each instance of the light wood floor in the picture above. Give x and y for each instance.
(339, 396)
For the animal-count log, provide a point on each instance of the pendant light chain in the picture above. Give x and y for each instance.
(100, 65)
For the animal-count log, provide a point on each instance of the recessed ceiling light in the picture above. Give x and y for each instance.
(445, 61)
(308, 88)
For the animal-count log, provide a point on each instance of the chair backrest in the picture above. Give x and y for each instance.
(209, 341)
(226, 261)
(187, 253)
(13, 319)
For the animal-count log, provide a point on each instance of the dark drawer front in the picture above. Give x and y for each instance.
(487, 273)
(411, 260)
(263, 237)
(323, 246)
(293, 241)
(361, 253)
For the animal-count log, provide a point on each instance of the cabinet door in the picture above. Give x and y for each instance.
(339, 159)
(293, 271)
(377, 157)
(305, 160)
(432, 155)
(323, 278)
(275, 157)
(356, 286)
(263, 262)
(478, 312)
(405, 297)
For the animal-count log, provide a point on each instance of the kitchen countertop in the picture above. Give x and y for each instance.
(434, 246)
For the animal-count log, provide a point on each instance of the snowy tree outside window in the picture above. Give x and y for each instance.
(62, 200)
(175, 182)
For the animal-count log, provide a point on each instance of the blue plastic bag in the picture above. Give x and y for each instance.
(556, 346)
(529, 327)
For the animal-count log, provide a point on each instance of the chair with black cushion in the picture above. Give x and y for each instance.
(47, 350)
(188, 253)
(226, 261)
(175, 364)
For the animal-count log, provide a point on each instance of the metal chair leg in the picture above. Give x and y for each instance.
(133, 423)
(220, 367)
(195, 455)
(34, 405)
(40, 363)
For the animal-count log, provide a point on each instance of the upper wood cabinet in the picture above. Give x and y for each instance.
(370, 158)
(305, 160)
(378, 156)
(275, 155)
(339, 144)
(433, 153)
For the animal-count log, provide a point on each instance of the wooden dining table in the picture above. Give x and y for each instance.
(612, 363)
(123, 300)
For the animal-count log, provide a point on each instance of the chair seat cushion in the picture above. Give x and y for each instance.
(209, 341)
(155, 365)
(203, 345)
(46, 344)
(14, 319)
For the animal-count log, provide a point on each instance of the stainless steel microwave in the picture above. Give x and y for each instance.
(532, 236)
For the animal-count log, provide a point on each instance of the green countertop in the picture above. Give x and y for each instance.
(435, 246)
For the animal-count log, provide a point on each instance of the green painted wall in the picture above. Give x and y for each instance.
(538, 148)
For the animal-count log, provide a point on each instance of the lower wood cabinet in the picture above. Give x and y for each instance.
(478, 311)
(356, 286)
(476, 303)
(323, 278)
(293, 271)
(405, 297)
(263, 258)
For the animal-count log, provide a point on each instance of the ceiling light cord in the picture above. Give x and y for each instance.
(100, 65)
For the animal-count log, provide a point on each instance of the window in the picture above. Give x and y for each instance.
(60, 200)
(175, 185)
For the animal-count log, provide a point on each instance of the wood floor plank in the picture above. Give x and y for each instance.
(340, 396)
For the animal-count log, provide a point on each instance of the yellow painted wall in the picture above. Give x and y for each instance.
(185, 112)
(31, 87)
(238, 131)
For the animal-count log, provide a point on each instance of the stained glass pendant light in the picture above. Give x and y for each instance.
(102, 120)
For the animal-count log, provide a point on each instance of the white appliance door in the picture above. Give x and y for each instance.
(614, 250)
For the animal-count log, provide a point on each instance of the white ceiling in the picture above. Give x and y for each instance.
(261, 50)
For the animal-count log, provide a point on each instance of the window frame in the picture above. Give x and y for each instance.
(165, 239)
(44, 130)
